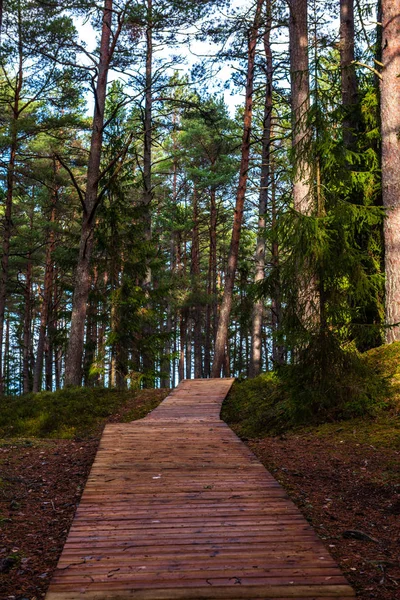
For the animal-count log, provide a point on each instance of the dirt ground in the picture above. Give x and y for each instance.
(350, 493)
(347, 491)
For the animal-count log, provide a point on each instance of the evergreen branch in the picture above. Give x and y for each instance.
(81, 193)
(121, 158)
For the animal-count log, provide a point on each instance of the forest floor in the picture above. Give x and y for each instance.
(349, 491)
(40, 486)
(342, 477)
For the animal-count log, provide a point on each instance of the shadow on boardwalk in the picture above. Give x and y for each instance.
(176, 506)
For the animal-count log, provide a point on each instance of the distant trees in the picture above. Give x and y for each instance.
(120, 264)
(225, 310)
(90, 197)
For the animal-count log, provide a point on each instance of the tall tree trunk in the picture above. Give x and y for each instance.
(47, 291)
(7, 219)
(182, 344)
(166, 362)
(226, 365)
(26, 375)
(7, 356)
(278, 350)
(188, 348)
(73, 367)
(300, 95)
(175, 329)
(211, 285)
(195, 272)
(148, 358)
(303, 198)
(91, 334)
(57, 325)
(348, 72)
(49, 355)
(225, 311)
(258, 309)
(390, 124)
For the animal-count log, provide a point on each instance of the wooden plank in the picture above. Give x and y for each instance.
(177, 507)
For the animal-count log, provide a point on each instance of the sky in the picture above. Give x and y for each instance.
(190, 54)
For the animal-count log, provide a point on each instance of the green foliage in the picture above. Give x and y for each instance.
(254, 406)
(68, 413)
(327, 384)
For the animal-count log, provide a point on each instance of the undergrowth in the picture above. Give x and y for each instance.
(71, 412)
(326, 385)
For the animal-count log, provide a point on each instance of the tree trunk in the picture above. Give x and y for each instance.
(57, 324)
(73, 367)
(303, 199)
(182, 343)
(47, 293)
(225, 311)
(390, 124)
(26, 375)
(348, 72)
(91, 335)
(148, 358)
(188, 346)
(175, 329)
(258, 309)
(278, 350)
(166, 362)
(226, 366)
(195, 272)
(7, 357)
(211, 285)
(300, 94)
(7, 219)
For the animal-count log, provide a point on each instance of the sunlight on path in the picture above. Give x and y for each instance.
(177, 507)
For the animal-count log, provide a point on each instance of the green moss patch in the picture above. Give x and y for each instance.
(327, 386)
(72, 412)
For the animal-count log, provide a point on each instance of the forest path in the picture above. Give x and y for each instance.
(177, 507)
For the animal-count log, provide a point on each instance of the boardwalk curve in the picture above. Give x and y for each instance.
(177, 507)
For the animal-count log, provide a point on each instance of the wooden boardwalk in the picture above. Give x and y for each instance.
(177, 507)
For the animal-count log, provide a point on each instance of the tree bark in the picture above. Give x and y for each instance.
(73, 367)
(47, 291)
(188, 348)
(225, 311)
(195, 272)
(7, 219)
(308, 305)
(166, 362)
(300, 95)
(182, 344)
(26, 375)
(348, 72)
(148, 358)
(390, 125)
(258, 309)
(278, 350)
(211, 285)
(91, 335)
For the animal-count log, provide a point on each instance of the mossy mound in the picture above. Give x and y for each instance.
(71, 412)
(327, 384)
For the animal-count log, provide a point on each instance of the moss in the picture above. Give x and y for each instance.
(254, 405)
(68, 413)
(382, 431)
(328, 385)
